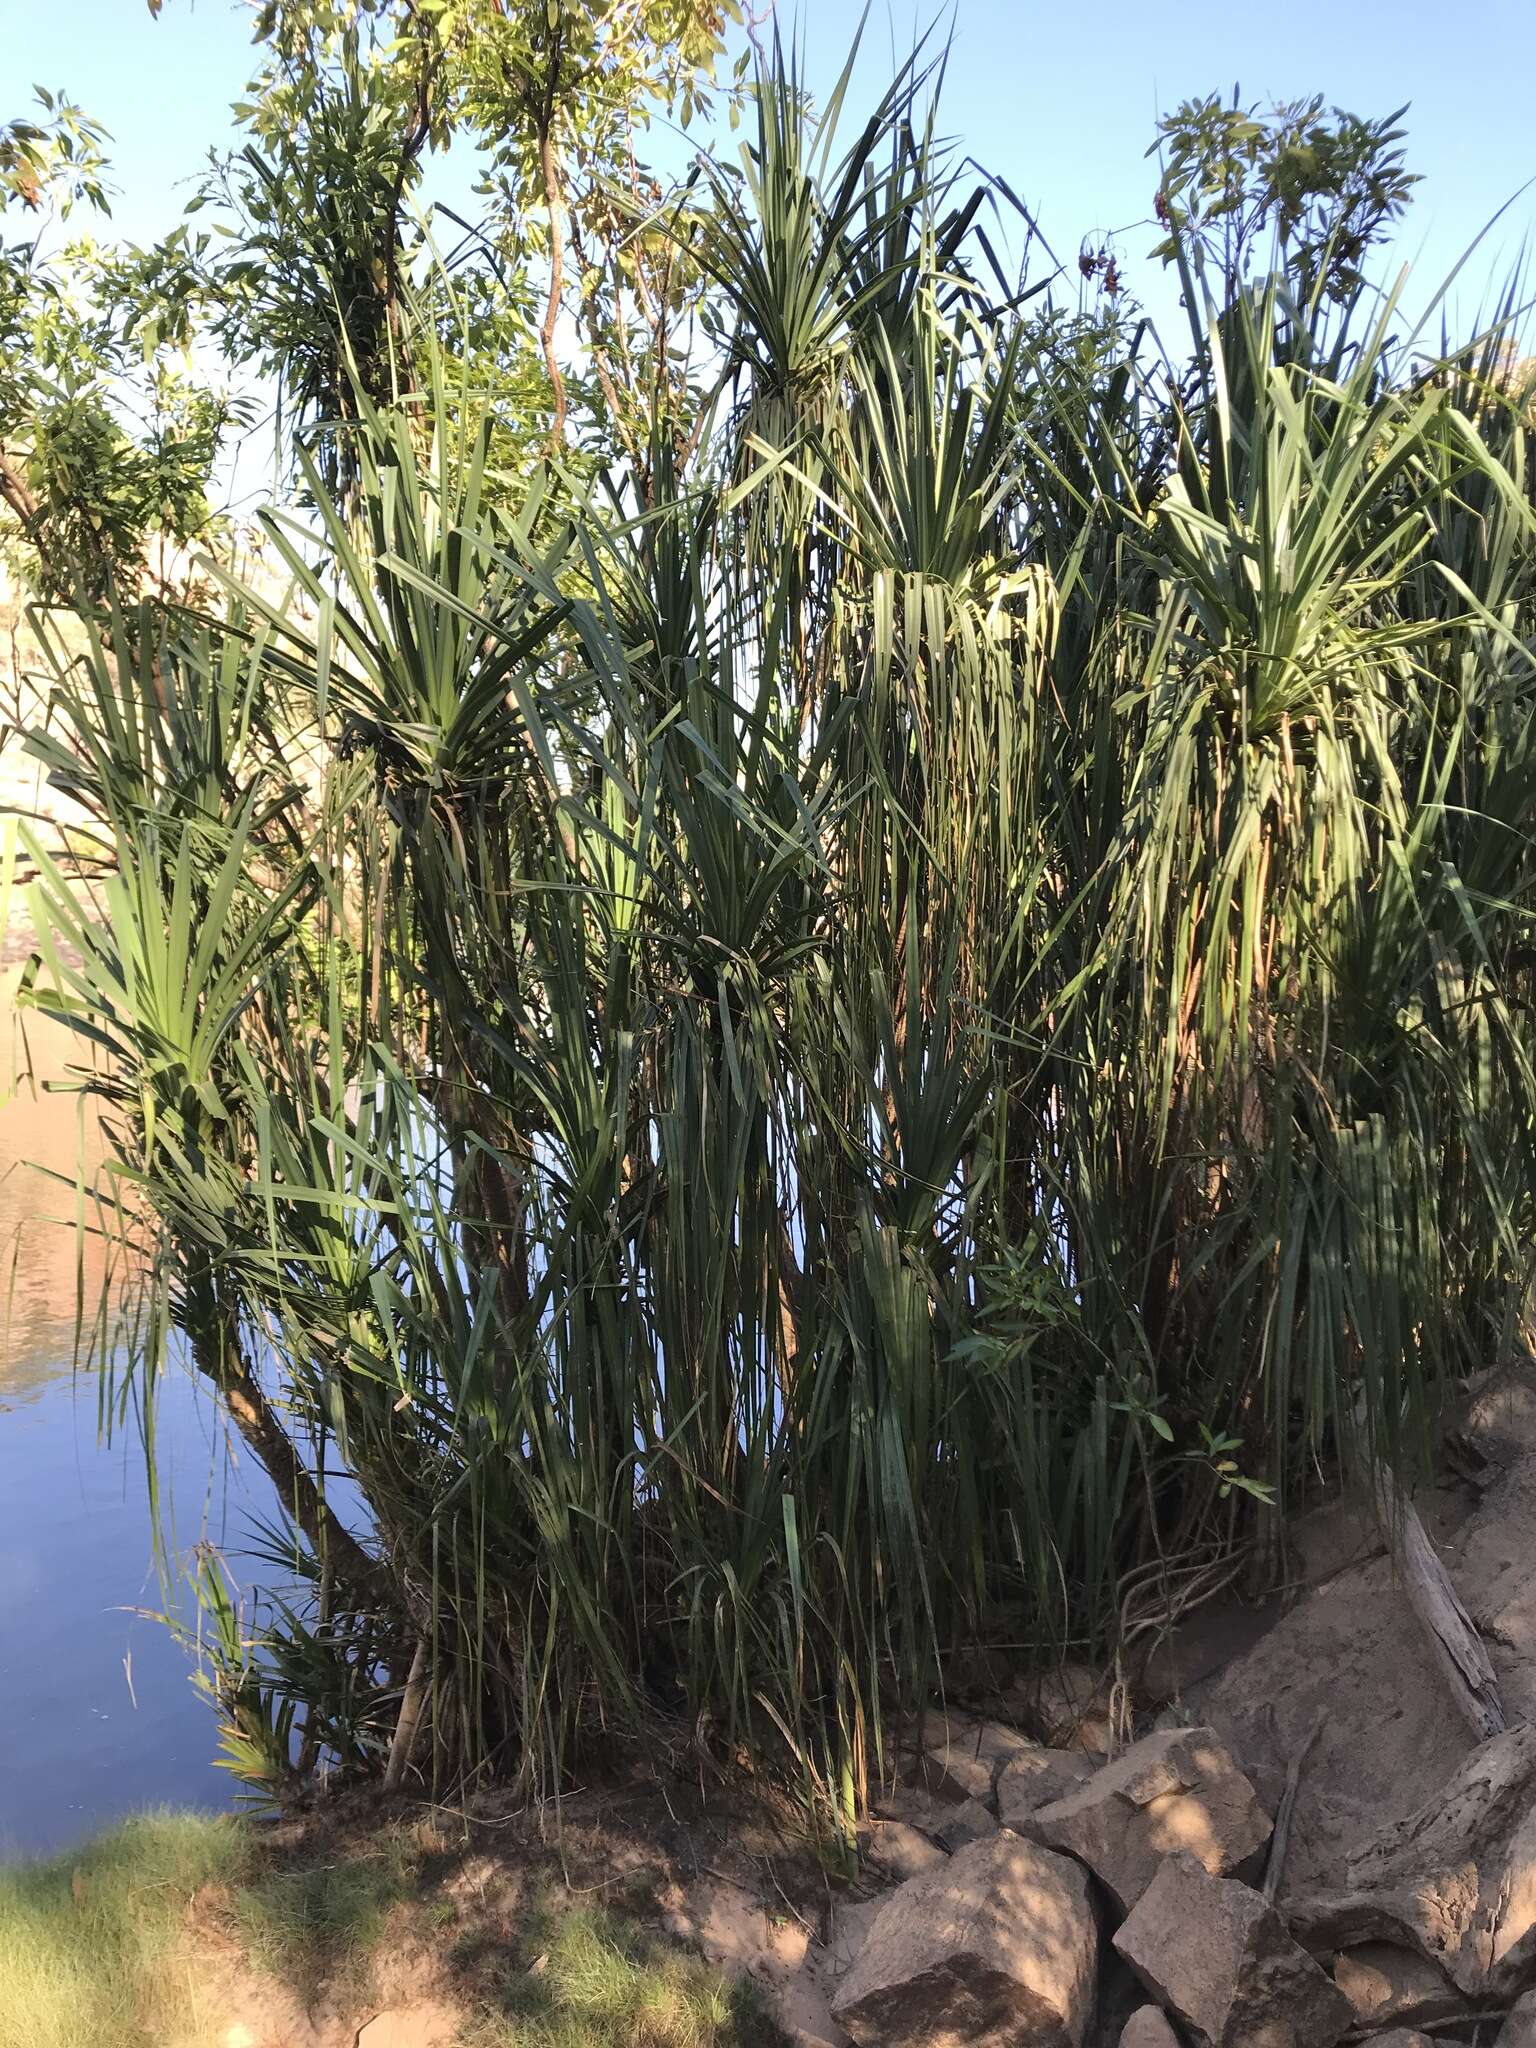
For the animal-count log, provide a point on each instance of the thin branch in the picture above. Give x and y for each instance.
(553, 200)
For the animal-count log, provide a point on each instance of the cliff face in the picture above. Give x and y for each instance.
(45, 1139)
(24, 793)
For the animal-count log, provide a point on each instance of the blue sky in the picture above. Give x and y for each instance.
(1061, 99)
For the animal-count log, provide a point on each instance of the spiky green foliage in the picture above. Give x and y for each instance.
(863, 1063)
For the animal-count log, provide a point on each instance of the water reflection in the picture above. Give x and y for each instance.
(97, 1712)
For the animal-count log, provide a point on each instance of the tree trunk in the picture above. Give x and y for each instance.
(16, 491)
(1459, 1649)
(223, 1363)
(552, 201)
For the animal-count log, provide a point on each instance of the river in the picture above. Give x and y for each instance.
(98, 1715)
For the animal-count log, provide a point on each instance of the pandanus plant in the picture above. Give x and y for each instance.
(848, 1074)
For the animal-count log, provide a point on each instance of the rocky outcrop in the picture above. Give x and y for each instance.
(897, 1849)
(1347, 1658)
(970, 1821)
(1388, 1986)
(997, 1950)
(1456, 1880)
(1218, 1956)
(1332, 1716)
(1176, 1791)
(1038, 1777)
(1148, 2028)
(1067, 1707)
(957, 1757)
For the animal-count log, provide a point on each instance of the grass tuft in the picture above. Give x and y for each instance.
(318, 1923)
(593, 1979)
(88, 1941)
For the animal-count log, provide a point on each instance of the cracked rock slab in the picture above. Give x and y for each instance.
(1218, 1956)
(1456, 1880)
(1177, 1791)
(997, 1950)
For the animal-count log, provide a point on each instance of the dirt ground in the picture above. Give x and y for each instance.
(720, 1874)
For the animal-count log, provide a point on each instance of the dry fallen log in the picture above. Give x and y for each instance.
(1459, 1649)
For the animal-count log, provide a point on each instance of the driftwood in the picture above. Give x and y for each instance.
(1451, 1880)
(1459, 1650)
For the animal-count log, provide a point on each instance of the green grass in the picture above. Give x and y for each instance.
(88, 1941)
(97, 1949)
(316, 1924)
(606, 1983)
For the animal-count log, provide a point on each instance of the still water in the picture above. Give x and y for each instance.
(98, 1716)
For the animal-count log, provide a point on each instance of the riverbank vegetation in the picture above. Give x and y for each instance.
(809, 1012)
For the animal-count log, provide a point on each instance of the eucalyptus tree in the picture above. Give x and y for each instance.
(108, 435)
(546, 107)
(566, 296)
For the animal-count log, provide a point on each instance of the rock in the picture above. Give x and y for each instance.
(1456, 1880)
(851, 1922)
(1037, 1778)
(898, 1850)
(1218, 1956)
(1400, 2037)
(953, 1775)
(1494, 1565)
(1119, 1996)
(1148, 2028)
(912, 1803)
(1347, 1659)
(1519, 2028)
(967, 1822)
(959, 1757)
(1349, 1654)
(1386, 1985)
(1177, 1790)
(1497, 1418)
(1066, 1707)
(996, 1950)
(425, 2024)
